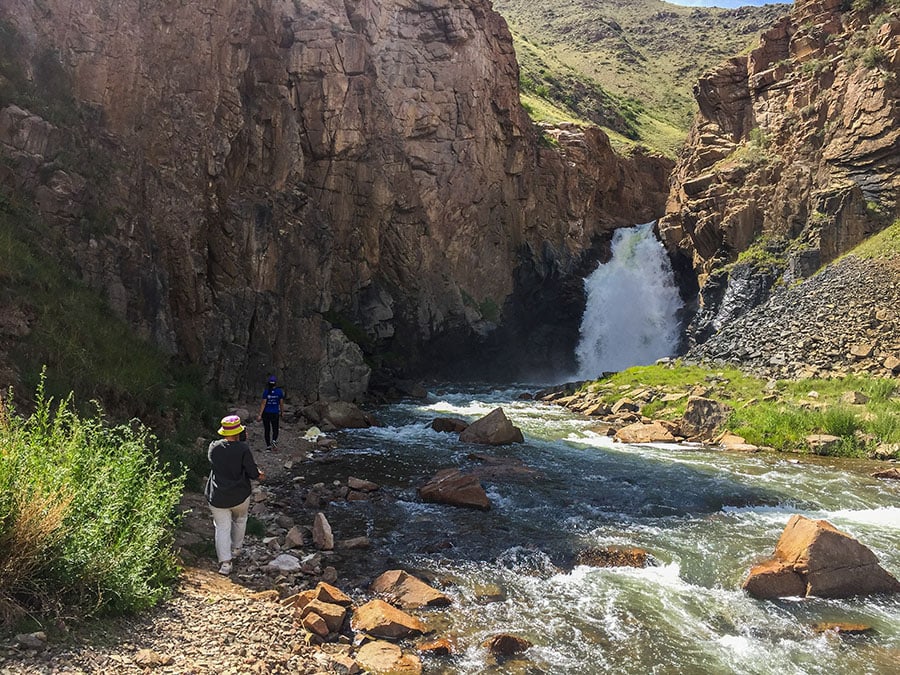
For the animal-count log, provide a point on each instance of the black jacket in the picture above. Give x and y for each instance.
(232, 470)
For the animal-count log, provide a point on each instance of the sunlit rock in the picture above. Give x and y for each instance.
(381, 620)
(812, 557)
(384, 657)
(639, 432)
(492, 429)
(407, 591)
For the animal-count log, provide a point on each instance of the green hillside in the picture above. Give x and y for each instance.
(626, 66)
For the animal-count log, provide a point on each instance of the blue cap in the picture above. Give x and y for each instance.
(271, 379)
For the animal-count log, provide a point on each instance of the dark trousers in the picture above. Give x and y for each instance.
(270, 426)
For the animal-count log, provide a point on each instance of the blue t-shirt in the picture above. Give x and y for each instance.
(273, 400)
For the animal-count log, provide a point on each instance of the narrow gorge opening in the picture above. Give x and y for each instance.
(633, 305)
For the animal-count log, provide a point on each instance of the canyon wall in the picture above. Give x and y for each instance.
(311, 187)
(794, 157)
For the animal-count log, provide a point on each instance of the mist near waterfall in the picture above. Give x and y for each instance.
(632, 306)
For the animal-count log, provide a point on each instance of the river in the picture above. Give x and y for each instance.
(705, 516)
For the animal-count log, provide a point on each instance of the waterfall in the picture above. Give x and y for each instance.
(632, 305)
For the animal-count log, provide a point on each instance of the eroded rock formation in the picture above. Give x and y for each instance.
(270, 186)
(794, 157)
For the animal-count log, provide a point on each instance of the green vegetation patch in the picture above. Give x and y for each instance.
(86, 514)
(775, 414)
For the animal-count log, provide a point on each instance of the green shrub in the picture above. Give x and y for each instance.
(256, 527)
(86, 514)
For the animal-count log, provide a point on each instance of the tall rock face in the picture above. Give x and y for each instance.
(794, 157)
(293, 186)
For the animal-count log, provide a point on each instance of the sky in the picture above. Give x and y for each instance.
(726, 3)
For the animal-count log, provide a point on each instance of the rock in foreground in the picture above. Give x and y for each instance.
(814, 558)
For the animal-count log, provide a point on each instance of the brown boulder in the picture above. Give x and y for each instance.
(315, 624)
(492, 429)
(504, 645)
(645, 433)
(333, 615)
(887, 473)
(451, 486)
(441, 647)
(703, 416)
(449, 424)
(330, 594)
(827, 563)
(407, 591)
(384, 657)
(381, 620)
(774, 579)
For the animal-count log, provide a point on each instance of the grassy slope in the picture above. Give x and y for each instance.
(641, 58)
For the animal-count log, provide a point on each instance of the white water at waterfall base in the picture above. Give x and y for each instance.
(631, 317)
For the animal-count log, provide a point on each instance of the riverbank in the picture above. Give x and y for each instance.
(851, 416)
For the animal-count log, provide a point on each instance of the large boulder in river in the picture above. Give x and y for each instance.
(453, 487)
(814, 558)
(407, 591)
(492, 429)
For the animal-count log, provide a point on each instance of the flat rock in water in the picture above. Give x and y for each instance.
(887, 473)
(451, 486)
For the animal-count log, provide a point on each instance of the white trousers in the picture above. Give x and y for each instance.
(230, 527)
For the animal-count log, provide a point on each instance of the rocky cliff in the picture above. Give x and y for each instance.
(309, 187)
(793, 159)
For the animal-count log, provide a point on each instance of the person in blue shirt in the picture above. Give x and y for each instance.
(270, 412)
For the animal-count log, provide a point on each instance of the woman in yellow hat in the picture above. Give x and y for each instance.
(228, 489)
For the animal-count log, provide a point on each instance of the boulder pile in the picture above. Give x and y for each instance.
(844, 320)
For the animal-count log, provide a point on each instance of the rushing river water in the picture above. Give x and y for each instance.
(706, 516)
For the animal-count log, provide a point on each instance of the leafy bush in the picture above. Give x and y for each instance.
(86, 514)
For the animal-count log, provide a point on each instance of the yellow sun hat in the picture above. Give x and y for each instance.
(231, 426)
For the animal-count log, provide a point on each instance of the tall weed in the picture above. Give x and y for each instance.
(86, 513)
